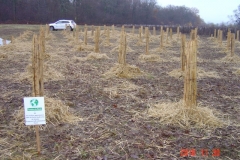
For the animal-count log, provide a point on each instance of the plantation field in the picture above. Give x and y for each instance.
(95, 115)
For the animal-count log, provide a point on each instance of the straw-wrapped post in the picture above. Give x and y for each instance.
(232, 44)
(170, 33)
(122, 49)
(237, 38)
(167, 32)
(161, 38)
(97, 36)
(147, 39)
(228, 40)
(92, 33)
(183, 50)
(85, 34)
(178, 31)
(133, 30)
(113, 28)
(215, 32)
(190, 81)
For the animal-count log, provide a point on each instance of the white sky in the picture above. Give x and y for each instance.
(215, 11)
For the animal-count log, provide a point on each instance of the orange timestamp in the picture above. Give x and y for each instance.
(190, 152)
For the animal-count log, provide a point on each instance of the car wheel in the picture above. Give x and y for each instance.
(51, 28)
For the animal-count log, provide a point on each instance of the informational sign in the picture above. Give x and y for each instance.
(34, 110)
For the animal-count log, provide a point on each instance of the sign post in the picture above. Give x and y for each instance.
(35, 115)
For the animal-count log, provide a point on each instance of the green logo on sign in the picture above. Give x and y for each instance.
(34, 102)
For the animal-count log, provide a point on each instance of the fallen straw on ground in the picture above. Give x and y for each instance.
(234, 59)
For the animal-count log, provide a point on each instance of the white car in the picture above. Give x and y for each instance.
(62, 24)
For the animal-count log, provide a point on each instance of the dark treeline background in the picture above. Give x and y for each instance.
(97, 12)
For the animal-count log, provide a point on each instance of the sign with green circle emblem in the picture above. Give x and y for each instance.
(34, 110)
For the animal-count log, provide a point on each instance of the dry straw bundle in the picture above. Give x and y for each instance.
(93, 56)
(123, 71)
(178, 114)
(122, 88)
(178, 73)
(149, 57)
(232, 59)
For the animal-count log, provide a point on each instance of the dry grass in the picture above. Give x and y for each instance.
(2, 56)
(123, 88)
(149, 57)
(123, 71)
(233, 59)
(237, 72)
(116, 49)
(178, 73)
(178, 114)
(56, 112)
(49, 74)
(83, 47)
(92, 56)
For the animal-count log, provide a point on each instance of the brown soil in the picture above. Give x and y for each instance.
(115, 124)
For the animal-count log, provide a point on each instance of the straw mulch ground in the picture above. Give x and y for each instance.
(114, 116)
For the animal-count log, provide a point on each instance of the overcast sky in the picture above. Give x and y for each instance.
(215, 11)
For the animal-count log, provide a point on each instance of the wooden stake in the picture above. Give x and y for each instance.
(215, 32)
(171, 33)
(228, 40)
(167, 35)
(133, 30)
(122, 49)
(77, 34)
(112, 29)
(85, 35)
(140, 35)
(178, 31)
(105, 30)
(220, 37)
(92, 31)
(123, 30)
(37, 67)
(161, 40)
(237, 38)
(12, 39)
(154, 31)
(147, 40)
(232, 44)
(108, 36)
(97, 35)
(4, 42)
(183, 54)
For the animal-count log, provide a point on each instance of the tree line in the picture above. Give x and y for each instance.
(97, 12)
